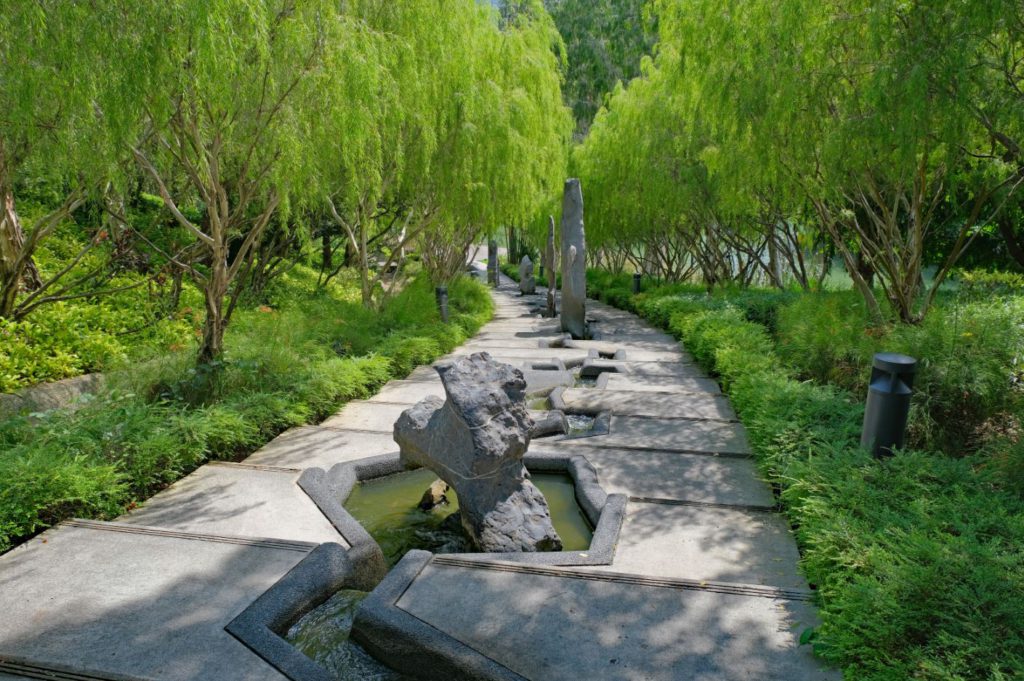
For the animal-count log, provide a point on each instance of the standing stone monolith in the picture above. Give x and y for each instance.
(492, 262)
(551, 265)
(475, 441)
(574, 262)
(527, 284)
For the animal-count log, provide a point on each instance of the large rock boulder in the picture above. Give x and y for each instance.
(475, 441)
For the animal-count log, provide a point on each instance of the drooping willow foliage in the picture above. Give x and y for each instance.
(766, 137)
(373, 126)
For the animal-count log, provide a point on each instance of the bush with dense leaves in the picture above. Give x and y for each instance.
(917, 560)
(289, 363)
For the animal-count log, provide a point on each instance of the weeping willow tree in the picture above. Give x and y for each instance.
(761, 127)
(464, 126)
(58, 127)
(227, 94)
(860, 116)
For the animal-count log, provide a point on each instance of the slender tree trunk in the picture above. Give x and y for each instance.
(364, 266)
(214, 291)
(327, 253)
(13, 274)
(1013, 243)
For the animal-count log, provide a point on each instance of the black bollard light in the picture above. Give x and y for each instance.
(540, 270)
(636, 282)
(888, 406)
(442, 302)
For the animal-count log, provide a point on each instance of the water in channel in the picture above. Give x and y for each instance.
(387, 508)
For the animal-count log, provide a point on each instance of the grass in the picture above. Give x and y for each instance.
(918, 560)
(291, 361)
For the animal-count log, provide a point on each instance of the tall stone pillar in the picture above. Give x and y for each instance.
(492, 262)
(551, 265)
(574, 262)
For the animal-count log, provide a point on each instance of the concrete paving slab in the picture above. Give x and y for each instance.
(683, 477)
(316, 447)
(559, 628)
(362, 415)
(237, 500)
(408, 392)
(508, 343)
(707, 543)
(670, 435)
(663, 405)
(646, 338)
(121, 600)
(663, 384)
(535, 337)
(425, 373)
(637, 351)
(519, 355)
(645, 370)
(543, 381)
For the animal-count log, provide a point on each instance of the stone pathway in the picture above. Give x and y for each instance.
(704, 583)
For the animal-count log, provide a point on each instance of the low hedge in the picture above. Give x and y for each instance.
(288, 364)
(918, 560)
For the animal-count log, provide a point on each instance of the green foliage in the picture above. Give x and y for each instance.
(605, 41)
(970, 352)
(917, 559)
(291, 363)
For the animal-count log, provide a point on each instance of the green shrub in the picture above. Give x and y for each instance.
(969, 354)
(917, 560)
(287, 365)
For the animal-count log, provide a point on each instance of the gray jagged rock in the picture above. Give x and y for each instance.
(527, 283)
(475, 441)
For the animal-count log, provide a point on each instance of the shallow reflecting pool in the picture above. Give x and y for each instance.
(388, 509)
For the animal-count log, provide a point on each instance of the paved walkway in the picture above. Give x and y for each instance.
(704, 584)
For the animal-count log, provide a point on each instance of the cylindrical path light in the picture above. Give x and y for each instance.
(442, 302)
(636, 282)
(888, 406)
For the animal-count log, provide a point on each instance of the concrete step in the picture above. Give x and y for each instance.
(664, 383)
(673, 476)
(238, 500)
(319, 447)
(707, 543)
(706, 406)
(564, 625)
(109, 600)
(670, 435)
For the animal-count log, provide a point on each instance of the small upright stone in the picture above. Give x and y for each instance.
(475, 441)
(574, 262)
(551, 265)
(527, 284)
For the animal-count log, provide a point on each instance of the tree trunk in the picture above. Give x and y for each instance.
(1013, 242)
(364, 266)
(13, 275)
(212, 347)
(327, 259)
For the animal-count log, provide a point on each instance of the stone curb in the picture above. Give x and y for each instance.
(330, 489)
(409, 644)
(262, 625)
